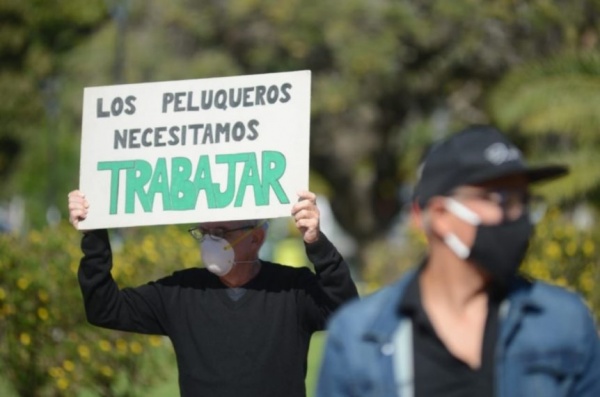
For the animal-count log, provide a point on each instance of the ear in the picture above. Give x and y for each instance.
(437, 215)
(417, 216)
(258, 237)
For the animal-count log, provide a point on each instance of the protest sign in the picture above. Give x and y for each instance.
(194, 151)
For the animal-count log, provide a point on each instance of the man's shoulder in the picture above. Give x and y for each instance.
(364, 311)
(557, 298)
(557, 308)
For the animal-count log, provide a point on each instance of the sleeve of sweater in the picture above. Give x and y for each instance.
(330, 287)
(138, 309)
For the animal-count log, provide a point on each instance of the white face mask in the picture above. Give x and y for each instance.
(218, 255)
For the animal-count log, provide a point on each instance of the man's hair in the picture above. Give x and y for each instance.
(264, 223)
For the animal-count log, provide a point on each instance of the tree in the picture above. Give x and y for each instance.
(388, 76)
(34, 37)
(554, 104)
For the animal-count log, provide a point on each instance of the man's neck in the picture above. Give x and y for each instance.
(453, 283)
(453, 294)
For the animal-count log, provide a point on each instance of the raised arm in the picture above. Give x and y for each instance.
(333, 284)
(130, 309)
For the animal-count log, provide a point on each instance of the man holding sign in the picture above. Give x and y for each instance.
(223, 152)
(239, 327)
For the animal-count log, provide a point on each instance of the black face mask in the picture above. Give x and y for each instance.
(500, 249)
(497, 249)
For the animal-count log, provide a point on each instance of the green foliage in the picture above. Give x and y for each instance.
(47, 348)
(380, 70)
(554, 104)
(562, 254)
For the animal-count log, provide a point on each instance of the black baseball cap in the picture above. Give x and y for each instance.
(474, 155)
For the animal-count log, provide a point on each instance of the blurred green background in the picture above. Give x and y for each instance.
(388, 77)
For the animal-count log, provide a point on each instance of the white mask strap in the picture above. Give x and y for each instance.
(457, 246)
(462, 211)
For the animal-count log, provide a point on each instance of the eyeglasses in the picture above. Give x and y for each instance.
(199, 233)
(513, 202)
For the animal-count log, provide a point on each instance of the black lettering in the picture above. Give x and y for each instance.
(133, 138)
(116, 107)
(222, 129)
(129, 101)
(252, 124)
(221, 100)
(183, 131)
(145, 141)
(167, 99)
(207, 98)
(99, 111)
(233, 101)
(120, 139)
(208, 134)
(239, 130)
(195, 128)
(173, 134)
(260, 94)
(273, 94)
(247, 101)
(158, 136)
(285, 93)
(190, 106)
(179, 102)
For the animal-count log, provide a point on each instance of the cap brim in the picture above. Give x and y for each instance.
(533, 174)
(539, 174)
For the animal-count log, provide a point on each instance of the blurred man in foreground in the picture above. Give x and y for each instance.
(464, 323)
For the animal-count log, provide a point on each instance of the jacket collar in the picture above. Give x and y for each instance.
(521, 298)
(387, 317)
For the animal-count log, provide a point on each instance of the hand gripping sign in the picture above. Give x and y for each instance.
(191, 151)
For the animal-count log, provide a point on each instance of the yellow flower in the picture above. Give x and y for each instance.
(553, 250)
(42, 313)
(588, 248)
(104, 345)
(84, 352)
(136, 347)
(106, 371)
(571, 248)
(43, 295)
(69, 366)
(23, 283)
(2, 294)
(155, 341)
(62, 383)
(35, 237)
(56, 372)
(121, 345)
(25, 339)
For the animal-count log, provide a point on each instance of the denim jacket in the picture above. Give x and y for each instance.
(547, 346)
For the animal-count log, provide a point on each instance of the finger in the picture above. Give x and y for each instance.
(307, 223)
(304, 205)
(78, 196)
(307, 195)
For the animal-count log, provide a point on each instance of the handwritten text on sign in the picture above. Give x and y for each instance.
(196, 150)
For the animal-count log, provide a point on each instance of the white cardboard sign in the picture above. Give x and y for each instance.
(192, 151)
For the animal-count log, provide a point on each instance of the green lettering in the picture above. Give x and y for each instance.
(223, 199)
(137, 177)
(273, 168)
(250, 177)
(160, 184)
(203, 181)
(183, 191)
(115, 167)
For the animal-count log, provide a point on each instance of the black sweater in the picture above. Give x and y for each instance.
(256, 346)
